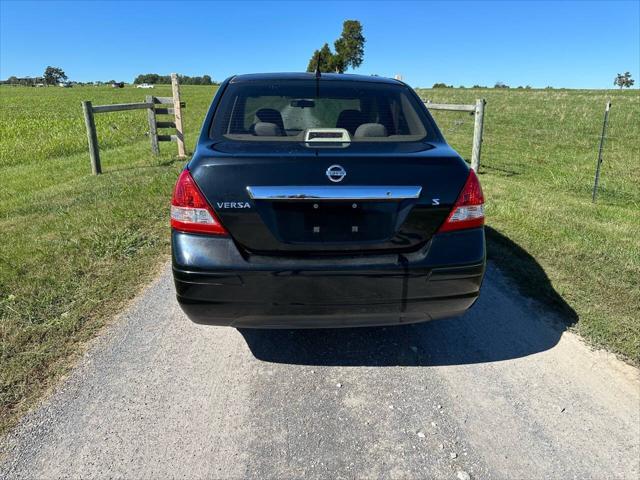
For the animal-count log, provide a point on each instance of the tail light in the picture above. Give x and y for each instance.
(190, 212)
(468, 211)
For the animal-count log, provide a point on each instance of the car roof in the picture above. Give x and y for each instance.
(267, 77)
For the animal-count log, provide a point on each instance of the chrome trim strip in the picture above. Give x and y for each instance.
(333, 192)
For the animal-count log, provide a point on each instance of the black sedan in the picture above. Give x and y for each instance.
(324, 201)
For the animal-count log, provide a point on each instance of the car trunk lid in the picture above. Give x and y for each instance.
(281, 198)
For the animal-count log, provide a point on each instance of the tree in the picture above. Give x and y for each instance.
(349, 50)
(53, 75)
(349, 47)
(500, 85)
(624, 80)
(326, 64)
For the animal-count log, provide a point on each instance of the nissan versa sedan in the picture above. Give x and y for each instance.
(324, 200)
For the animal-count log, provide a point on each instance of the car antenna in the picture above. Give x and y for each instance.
(318, 74)
(318, 66)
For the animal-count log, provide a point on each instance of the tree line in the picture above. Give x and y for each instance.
(51, 76)
(155, 79)
(496, 85)
(55, 75)
(349, 52)
(622, 80)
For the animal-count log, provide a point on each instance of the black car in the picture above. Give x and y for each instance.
(324, 201)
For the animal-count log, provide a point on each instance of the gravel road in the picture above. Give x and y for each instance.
(502, 392)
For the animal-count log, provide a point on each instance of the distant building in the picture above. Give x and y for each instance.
(398, 77)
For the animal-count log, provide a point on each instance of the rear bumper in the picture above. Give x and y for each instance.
(216, 284)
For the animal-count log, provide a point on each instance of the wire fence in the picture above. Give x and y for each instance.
(558, 145)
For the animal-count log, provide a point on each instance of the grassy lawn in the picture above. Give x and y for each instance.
(74, 247)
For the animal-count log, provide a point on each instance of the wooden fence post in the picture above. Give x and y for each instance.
(92, 137)
(178, 114)
(477, 134)
(153, 129)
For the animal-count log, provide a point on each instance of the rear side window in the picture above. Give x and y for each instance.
(284, 110)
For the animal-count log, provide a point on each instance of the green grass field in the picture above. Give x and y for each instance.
(538, 164)
(72, 245)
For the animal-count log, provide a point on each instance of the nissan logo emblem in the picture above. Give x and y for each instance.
(336, 173)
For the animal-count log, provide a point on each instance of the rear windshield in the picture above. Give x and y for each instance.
(285, 110)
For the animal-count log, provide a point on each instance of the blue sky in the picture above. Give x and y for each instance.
(563, 44)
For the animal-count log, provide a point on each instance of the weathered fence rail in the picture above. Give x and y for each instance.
(450, 106)
(478, 111)
(119, 107)
(175, 109)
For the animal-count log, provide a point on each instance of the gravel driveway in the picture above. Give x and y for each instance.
(502, 392)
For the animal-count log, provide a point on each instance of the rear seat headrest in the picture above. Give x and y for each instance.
(350, 120)
(371, 130)
(270, 115)
(266, 129)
